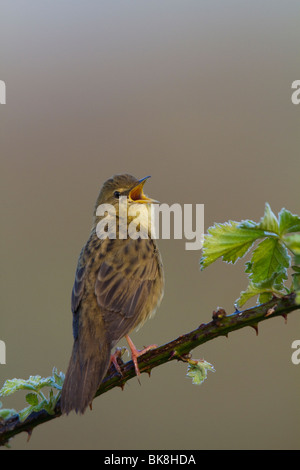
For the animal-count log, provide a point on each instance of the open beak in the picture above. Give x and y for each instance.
(137, 195)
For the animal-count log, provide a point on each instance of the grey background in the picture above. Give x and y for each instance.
(197, 94)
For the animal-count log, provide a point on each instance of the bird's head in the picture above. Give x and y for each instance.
(123, 185)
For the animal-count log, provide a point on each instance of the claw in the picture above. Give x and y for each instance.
(114, 358)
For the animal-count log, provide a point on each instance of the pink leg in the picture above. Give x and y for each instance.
(135, 353)
(114, 359)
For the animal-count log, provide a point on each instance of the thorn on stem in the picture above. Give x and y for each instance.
(29, 434)
(255, 328)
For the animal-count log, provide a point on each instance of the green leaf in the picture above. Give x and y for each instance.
(296, 282)
(263, 289)
(279, 279)
(251, 291)
(37, 400)
(13, 385)
(32, 399)
(197, 370)
(293, 242)
(288, 222)
(269, 257)
(264, 297)
(6, 413)
(297, 259)
(230, 241)
(23, 414)
(58, 378)
(35, 383)
(269, 221)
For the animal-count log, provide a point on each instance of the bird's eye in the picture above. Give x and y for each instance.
(117, 194)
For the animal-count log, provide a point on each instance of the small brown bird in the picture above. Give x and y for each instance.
(118, 284)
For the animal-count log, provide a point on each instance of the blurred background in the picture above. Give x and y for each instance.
(198, 95)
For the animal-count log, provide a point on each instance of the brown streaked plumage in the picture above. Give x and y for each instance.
(118, 285)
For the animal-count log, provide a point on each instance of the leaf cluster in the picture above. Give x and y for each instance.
(277, 251)
(36, 399)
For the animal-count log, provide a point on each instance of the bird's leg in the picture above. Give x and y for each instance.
(135, 353)
(114, 359)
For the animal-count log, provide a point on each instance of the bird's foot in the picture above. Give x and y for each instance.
(117, 356)
(135, 353)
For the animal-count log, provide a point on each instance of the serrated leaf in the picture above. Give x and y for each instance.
(13, 385)
(288, 222)
(279, 279)
(59, 378)
(269, 257)
(274, 284)
(293, 243)
(35, 383)
(39, 382)
(230, 241)
(248, 224)
(197, 371)
(269, 221)
(32, 399)
(251, 291)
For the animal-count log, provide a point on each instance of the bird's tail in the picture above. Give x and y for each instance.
(85, 373)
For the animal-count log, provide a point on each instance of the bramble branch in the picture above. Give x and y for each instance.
(178, 349)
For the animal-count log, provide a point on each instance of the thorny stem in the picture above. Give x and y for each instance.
(178, 349)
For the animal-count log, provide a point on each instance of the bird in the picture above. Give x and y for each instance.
(119, 284)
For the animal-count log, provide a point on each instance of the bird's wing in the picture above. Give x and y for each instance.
(77, 292)
(125, 284)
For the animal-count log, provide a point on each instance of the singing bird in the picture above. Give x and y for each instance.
(119, 283)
